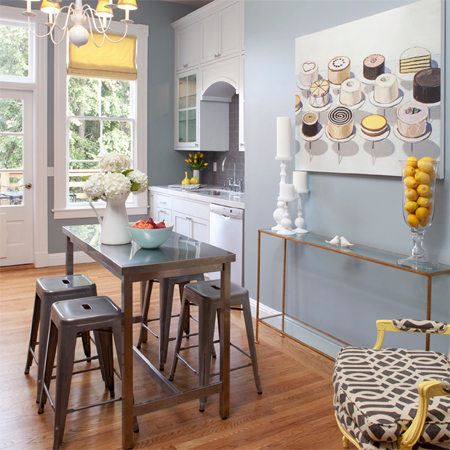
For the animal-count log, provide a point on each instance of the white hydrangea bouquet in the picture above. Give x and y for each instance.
(115, 179)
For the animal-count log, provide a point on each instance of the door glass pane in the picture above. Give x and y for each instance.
(11, 152)
(116, 98)
(192, 91)
(182, 90)
(182, 126)
(192, 125)
(84, 139)
(84, 96)
(11, 115)
(11, 189)
(116, 137)
(14, 52)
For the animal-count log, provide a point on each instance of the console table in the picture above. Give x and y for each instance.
(355, 251)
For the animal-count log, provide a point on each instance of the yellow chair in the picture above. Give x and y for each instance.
(394, 398)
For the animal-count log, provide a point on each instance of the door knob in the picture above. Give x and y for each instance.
(28, 185)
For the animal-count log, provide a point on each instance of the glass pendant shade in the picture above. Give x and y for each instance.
(102, 10)
(47, 7)
(127, 4)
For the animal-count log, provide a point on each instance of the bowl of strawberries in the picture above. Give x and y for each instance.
(149, 234)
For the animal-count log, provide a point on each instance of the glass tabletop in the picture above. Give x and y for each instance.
(357, 251)
(177, 248)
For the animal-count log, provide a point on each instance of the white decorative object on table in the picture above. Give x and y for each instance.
(345, 243)
(334, 241)
(113, 185)
(301, 187)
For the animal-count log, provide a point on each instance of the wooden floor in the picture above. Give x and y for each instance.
(294, 411)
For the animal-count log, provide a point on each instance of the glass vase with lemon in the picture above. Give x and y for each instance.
(419, 182)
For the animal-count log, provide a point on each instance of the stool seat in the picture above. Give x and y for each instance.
(210, 291)
(48, 291)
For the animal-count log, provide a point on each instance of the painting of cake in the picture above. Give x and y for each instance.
(373, 66)
(309, 72)
(338, 69)
(340, 123)
(310, 124)
(374, 125)
(350, 93)
(297, 102)
(427, 85)
(386, 88)
(319, 93)
(414, 59)
(412, 119)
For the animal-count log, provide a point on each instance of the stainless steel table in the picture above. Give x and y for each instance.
(178, 256)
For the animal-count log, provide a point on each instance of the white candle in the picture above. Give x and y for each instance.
(287, 191)
(300, 181)
(284, 138)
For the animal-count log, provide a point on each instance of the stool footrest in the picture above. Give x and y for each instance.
(79, 408)
(231, 370)
(185, 362)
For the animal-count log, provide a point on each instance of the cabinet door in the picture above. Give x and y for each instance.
(186, 44)
(182, 224)
(186, 127)
(200, 229)
(209, 38)
(163, 214)
(241, 105)
(229, 30)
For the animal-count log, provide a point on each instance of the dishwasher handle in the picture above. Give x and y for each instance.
(227, 212)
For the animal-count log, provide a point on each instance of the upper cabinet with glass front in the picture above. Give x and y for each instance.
(186, 120)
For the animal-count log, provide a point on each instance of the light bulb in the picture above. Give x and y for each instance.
(78, 35)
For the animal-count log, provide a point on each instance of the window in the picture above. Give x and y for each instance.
(95, 115)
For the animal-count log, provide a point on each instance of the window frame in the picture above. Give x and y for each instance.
(139, 204)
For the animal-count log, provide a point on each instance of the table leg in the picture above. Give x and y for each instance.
(127, 373)
(283, 304)
(166, 288)
(224, 321)
(258, 281)
(427, 338)
(69, 256)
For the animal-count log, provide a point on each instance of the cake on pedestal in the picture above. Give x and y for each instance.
(340, 123)
(386, 88)
(310, 124)
(309, 72)
(373, 66)
(427, 86)
(319, 93)
(414, 59)
(412, 119)
(350, 93)
(338, 69)
(374, 125)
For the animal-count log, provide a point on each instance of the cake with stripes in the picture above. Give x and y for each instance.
(414, 59)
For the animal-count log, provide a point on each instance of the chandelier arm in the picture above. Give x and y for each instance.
(121, 39)
(100, 29)
(92, 36)
(62, 37)
(66, 22)
(35, 34)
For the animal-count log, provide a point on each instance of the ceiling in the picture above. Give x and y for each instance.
(197, 3)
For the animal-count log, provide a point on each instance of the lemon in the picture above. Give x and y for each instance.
(422, 177)
(412, 161)
(423, 223)
(421, 213)
(412, 220)
(411, 194)
(430, 209)
(408, 171)
(410, 182)
(425, 166)
(432, 175)
(424, 201)
(427, 158)
(423, 190)
(411, 206)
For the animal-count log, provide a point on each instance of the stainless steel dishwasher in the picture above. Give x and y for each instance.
(226, 230)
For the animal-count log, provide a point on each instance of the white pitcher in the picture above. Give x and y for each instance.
(114, 230)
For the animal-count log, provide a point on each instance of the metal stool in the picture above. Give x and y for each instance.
(68, 318)
(167, 285)
(48, 291)
(206, 295)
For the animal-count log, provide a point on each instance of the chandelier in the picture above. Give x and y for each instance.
(98, 19)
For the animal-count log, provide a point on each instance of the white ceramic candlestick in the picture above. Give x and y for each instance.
(300, 221)
(278, 214)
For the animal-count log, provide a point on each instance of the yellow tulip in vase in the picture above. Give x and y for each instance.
(196, 165)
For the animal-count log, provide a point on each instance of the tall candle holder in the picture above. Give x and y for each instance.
(286, 222)
(278, 214)
(300, 221)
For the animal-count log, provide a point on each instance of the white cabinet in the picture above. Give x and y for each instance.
(191, 219)
(241, 105)
(220, 34)
(163, 214)
(187, 47)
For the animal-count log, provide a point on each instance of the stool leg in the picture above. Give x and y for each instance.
(144, 310)
(251, 343)
(187, 325)
(166, 287)
(86, 338)
(105, 339)
(183, 315)
(65, 359)
(47, 365)
(101, 361)
(44, 327)
(207, 317)
(33, 333)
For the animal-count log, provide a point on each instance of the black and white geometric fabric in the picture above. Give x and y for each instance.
(419, 326)
(376, 398)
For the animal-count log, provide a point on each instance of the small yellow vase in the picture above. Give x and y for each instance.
(195, 180)
(186, 180)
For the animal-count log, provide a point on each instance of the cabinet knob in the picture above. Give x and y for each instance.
(185, 65)
(242, 144)
(216, 55)
(196, 145)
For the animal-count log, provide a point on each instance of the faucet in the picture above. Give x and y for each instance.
(231, 181)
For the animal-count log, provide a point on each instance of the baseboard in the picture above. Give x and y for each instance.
(299, 331)
(59, 259)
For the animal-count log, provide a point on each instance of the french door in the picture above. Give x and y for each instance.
(16, 183)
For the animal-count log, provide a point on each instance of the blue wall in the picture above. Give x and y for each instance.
(340, 295)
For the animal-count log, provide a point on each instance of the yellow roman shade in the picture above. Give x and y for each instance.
(111, 61)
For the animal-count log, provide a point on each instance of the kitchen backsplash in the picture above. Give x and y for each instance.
(219, 177)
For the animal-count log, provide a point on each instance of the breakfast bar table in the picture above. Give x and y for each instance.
(178, 256)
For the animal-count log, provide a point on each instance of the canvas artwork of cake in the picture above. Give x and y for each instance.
(350, 93)
(297, 102)
(338, 69)
(319, 93)
(386, 88)
(414, 59)
(412, 119)
(310, 124)
(309, 72)
(373, 66)
(427, 85)
(340, 122)
(374, 125)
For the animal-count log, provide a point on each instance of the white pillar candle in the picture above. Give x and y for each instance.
(287, 191)
(300, 181)
(284, 138)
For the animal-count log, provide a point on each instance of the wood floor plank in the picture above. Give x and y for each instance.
(295, 411)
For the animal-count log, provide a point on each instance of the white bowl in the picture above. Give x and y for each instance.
(150, 237)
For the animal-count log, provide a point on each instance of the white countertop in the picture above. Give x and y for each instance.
(225, 198)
